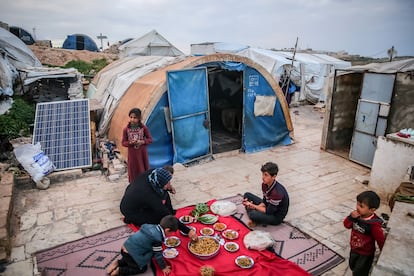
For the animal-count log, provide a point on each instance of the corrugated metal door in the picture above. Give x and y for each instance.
(189, 113)
(371, 117)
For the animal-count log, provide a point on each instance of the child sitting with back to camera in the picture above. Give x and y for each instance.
(140, 247)
(366, 230)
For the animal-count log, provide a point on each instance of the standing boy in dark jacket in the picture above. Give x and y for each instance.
(366, 230)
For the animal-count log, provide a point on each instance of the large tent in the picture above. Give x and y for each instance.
(194, 106)
(150, 44)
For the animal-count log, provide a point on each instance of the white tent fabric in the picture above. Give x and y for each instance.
(19, 64)
(309, 71)
(14, 55)
(405, 65)
(151, 44)
(113, 81)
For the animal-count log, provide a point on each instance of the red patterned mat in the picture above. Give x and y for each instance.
(294, 245)
(85, 257)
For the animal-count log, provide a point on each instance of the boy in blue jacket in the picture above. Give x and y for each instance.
(141, 246)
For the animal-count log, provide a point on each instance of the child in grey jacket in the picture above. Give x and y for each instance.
(141, 246)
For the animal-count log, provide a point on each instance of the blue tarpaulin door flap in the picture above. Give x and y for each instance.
(160, 151)
(189, 113)
(261, 132)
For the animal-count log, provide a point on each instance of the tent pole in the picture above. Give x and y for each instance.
(290, 71)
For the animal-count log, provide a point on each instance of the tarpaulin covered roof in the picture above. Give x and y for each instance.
(14, 55)
(405, 65)
(309, 71)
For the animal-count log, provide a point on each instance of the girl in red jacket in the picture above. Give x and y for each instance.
(136, 136)
(366, 230)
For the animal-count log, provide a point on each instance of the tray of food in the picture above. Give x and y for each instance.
(170, 253)
(219, 226)
(244, 261)
(208, 219)
(230, 234)
(186, 219)
(231, 246)
(172, 241)
(206, 247)
(223, 208)
(207, 231)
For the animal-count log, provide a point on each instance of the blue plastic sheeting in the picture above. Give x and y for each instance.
(188, 98)
(228, 65)
(161, 150)
(261, 132)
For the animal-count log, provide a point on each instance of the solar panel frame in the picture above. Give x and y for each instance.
(64, 132)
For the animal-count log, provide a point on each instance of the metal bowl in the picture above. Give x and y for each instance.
(205, 239)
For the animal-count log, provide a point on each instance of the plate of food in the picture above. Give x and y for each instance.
(230, 234)
(186, 219)
(231, 246)
(191, 227)
(219, 226)
(208, 219)
(207, 231)
(172, 241)
(170, 253)
(244, 261)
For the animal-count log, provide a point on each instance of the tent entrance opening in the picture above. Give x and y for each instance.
(226, 108)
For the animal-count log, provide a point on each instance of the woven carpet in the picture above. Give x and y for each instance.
(85, 257)
(293, 244)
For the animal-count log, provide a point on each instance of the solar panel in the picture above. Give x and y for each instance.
(63, 130)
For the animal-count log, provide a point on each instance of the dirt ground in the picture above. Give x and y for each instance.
(59, 57)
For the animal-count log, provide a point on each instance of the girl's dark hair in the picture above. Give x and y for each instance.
(370, 198)
(135, 111)
(271, 168)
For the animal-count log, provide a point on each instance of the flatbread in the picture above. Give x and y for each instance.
(223, 208)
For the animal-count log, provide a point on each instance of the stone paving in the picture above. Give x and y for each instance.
(322, 189)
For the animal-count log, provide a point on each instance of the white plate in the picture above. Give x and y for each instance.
(207, 231)
(233, 244)
(244, 257)
(213, 218)
(219, 226)
(170, 253)
(230, 234)
(223, 208)
(168, 244)
(190, 219)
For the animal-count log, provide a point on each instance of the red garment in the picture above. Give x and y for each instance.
(138, 161)
(266, 262)
(364, 234)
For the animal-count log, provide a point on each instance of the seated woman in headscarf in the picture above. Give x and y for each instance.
(146, 200)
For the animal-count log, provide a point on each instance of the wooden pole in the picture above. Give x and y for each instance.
(290, 71)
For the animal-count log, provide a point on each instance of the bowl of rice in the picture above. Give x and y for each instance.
(205, 248)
